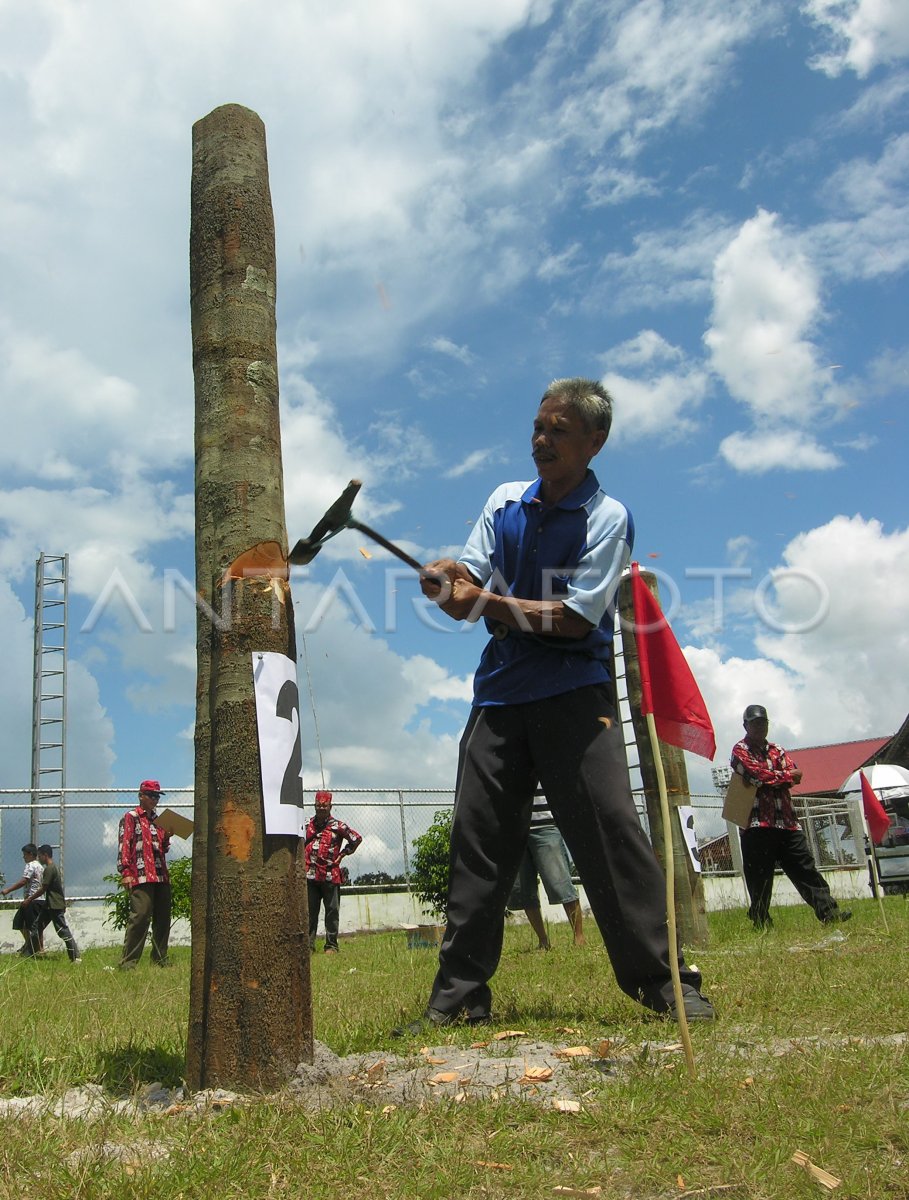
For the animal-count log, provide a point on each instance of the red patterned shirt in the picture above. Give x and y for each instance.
(770, 769)
(324, 849)
(141, 849)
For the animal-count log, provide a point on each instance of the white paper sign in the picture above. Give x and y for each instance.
(280, 753)
(686, 816)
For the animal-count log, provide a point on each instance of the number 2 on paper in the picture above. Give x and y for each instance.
(288, 707)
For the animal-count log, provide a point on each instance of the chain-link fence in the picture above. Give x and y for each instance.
(389, 820)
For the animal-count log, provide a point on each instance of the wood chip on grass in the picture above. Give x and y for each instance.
(824, 1178)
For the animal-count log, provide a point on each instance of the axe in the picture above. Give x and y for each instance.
(337, 517)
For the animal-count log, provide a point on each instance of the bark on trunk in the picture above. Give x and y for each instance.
(250, 1005)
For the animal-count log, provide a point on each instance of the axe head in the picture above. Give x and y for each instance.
(335, 519)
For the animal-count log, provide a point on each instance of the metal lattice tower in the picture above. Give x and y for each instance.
(624, 715)
(49, 702)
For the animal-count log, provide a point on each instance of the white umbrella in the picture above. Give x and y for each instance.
(888, 781)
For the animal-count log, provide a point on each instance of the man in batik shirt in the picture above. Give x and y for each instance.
(774, 837)
(143, 869)
(327, 841)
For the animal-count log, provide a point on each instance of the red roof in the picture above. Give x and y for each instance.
(825, 768)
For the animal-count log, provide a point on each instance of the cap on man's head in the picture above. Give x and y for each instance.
(754, 712)
(323, 797)
(151, 787)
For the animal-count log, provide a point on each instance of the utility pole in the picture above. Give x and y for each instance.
(691, 907)
(250, 1020)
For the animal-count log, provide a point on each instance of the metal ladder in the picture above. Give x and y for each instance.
(624, 712)
(49, 703)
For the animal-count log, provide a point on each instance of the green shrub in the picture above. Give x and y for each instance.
(117, 902)
(429, 865)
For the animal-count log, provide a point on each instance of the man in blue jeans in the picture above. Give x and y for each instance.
(546, 859)
(542, 567)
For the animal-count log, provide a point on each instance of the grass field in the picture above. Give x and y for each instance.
(841, 1094)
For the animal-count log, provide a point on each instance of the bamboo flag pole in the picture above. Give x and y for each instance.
(878, 889)
(671, 702)
(877, 879)
(670, 899)
(875, 824)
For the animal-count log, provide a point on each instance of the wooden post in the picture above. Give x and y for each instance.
(250, 1018)
(691, 907)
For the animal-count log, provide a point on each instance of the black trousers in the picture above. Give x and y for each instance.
(330, 895)
(765, 849)
(574, 747)
(26, 915)
(45, 916)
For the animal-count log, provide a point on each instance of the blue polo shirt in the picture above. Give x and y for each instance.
(573, 551)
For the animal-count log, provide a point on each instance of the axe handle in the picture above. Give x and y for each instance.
(390, 547)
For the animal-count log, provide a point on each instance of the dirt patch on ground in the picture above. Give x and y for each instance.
(503, 1066)
(508, 1065)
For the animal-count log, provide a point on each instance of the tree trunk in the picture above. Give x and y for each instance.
(691, 907)
(250, 1007)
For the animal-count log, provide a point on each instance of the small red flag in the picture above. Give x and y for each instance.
(668, 689)
(875, 814)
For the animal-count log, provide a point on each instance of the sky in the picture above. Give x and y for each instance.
(702, 203)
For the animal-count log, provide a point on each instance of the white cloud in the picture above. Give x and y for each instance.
(830, 573)
(378, 733)
(863, 34)
(455, 153)
(90, 730)
(559, 266)
(765, 450)
(666, 266)
(864, 186)
(473, 462)
(872, 238)
(428, 678)
(645, 348)
(101, 530)
(889, 371)
(319, 461)
(613, 185)
(823, 585)
(766, 307)
(658, 64)
(738, 548)
(765, 298)
(862, 442)
(16, 688)
(91, 414)
(858, 564)
(444, 345)
(876, 101)
(662, 404)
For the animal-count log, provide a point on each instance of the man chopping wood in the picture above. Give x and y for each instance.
(542, 567)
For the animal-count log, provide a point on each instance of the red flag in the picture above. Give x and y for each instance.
(875, 814)
(668, 689)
